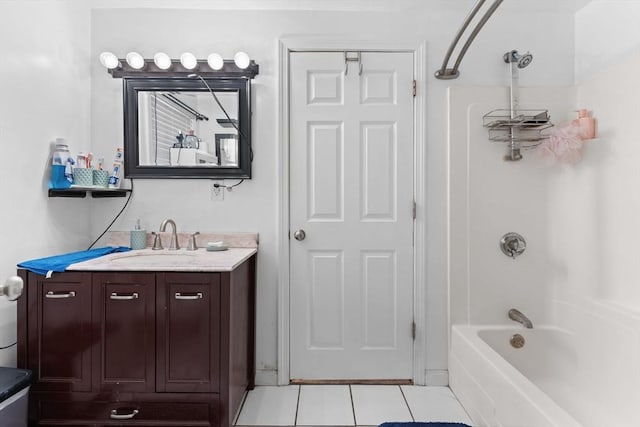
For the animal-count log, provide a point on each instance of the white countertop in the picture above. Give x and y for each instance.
(166, 260)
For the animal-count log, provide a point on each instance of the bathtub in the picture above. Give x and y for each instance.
(557, 378)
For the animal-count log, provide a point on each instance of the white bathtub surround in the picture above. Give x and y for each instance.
(577, 273)
(490, 197)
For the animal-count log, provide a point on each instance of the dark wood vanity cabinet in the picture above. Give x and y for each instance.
(138, 348)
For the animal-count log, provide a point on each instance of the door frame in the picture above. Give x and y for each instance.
(303, 44)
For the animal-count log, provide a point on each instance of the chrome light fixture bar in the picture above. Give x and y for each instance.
(161, 65)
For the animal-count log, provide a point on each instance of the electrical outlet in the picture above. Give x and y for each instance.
(217, 193)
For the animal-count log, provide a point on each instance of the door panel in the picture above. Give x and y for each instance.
(125, 314)
(326, 300)
(379, 172)
(60, 331)
(188, 332)
(324, 170)
(351, 191)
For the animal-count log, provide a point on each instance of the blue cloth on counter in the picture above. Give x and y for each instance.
(59, 263)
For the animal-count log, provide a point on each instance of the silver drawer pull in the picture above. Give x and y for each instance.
(133, 295)
(115, 416)
(191, 296)
(51, 294)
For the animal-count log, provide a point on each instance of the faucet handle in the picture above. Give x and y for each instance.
(192, 245)
(157, 241)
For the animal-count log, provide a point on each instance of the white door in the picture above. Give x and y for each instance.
(351, 193)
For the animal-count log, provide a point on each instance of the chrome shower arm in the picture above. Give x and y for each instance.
(445, 73)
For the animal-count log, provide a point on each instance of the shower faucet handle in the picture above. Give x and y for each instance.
(512, 245)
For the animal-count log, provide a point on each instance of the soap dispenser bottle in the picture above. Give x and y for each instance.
(138, 237)
(587, 124)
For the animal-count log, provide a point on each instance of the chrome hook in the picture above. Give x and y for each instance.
(347, 59)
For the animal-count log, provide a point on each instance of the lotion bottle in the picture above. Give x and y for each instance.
(587, 124)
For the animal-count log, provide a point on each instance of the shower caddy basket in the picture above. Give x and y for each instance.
(520, 129)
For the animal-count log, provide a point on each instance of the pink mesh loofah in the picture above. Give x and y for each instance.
(564, 144)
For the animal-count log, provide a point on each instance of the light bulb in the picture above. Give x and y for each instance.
(215, 61)
(188, 60)
(242, 60)
(135, 60)
(162, 60)
(109, 60)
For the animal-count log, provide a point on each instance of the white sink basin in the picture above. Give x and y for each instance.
(166, 260)
(149, 259)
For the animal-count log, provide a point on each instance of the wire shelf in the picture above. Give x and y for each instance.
(525, 127)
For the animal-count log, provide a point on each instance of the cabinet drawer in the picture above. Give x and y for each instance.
(125, 413)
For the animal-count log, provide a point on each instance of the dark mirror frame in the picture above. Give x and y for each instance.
(133, 169)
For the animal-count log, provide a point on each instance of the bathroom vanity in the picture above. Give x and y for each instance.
(153, 338)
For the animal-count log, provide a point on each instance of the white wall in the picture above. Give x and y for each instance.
(253, 205)
(597, 203)
(606, 32)
(45, 91)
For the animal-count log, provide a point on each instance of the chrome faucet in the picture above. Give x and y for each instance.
(517, 316)
(173, 245)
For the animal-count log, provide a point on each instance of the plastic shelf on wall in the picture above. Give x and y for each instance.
(96, 193)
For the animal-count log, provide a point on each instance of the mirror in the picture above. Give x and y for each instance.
(177, 128)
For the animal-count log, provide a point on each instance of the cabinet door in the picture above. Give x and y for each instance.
(124, 312)
(188, 332)
(59, 331)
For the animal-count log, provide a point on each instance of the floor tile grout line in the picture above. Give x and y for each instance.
(244, 400)
(295, 419)
(407, 403)
(353, 407)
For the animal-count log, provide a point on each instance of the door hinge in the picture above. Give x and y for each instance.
(413, 330)
(415, 88)
(414, 209)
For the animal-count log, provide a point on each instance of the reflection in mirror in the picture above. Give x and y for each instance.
(186, 129)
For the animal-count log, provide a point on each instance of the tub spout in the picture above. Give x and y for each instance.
(517, 316)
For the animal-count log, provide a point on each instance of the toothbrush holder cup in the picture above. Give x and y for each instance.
(83, 177)
(100, 178)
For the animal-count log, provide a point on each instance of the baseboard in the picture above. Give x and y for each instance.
(266, 377)
(438, 377)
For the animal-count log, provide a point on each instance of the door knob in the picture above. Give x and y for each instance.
(299, 235)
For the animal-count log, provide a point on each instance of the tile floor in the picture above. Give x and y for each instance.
(344, 405)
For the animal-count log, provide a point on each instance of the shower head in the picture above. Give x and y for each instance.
(525, 60)
(520, 60)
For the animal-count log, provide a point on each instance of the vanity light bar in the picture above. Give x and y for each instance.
(166, 67)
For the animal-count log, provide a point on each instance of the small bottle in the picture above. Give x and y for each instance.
(114, 178)
(59, 161)
(60, 152)
(191, 140)
(587, 124)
